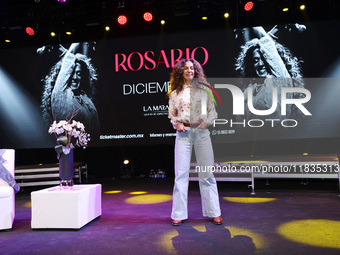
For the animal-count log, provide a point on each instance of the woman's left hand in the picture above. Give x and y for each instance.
(203, 125)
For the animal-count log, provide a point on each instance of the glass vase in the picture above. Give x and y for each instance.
(66, 170)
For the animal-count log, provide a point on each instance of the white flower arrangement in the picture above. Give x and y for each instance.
(67, 133)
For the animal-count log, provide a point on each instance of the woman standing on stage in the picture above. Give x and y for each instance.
(187, 113)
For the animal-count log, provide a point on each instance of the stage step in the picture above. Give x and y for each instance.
(247, 169)
(47, 175)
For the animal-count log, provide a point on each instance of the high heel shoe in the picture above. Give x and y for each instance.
(218, 220)
(176, 222)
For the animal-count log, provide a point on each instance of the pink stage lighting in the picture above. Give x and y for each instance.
(248, 6)
(122, 20)
(29, 31)
(147, 16)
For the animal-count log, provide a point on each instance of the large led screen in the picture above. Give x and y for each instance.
(269, 83)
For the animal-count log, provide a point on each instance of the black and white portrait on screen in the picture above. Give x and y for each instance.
(69, 88)
(266, 64)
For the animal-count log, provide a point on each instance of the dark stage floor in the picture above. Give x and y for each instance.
(285, 217)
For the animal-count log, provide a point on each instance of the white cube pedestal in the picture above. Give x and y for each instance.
(55, 208)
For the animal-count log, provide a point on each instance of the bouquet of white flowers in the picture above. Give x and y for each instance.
(69, 135)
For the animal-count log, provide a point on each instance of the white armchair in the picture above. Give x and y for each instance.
(7, 197)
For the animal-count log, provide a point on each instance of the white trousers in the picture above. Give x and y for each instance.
(200, 139)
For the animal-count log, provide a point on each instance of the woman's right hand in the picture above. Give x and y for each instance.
(180, 127)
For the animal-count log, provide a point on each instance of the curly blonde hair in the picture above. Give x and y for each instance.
(88, 84)
(244, 64)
